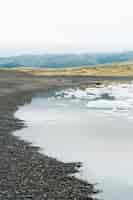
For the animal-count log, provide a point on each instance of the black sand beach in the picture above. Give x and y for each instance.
(24, 172)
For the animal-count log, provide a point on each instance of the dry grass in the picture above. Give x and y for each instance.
(101, 70)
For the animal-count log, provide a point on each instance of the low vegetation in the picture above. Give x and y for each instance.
(99, 70)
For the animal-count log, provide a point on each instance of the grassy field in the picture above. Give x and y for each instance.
(100, 70)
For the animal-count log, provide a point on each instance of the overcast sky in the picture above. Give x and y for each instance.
(65, 26)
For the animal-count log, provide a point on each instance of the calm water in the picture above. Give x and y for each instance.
(95, 127)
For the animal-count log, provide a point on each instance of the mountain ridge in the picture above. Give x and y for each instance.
(65, 60)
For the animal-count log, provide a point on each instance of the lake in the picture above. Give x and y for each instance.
(93, 126)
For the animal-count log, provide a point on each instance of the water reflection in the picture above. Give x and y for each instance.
(68, 131)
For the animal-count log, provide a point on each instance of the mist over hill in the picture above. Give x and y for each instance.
(65, 60)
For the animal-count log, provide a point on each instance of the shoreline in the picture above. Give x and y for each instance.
(25, 173)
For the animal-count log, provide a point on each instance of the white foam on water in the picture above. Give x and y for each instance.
(117, 98)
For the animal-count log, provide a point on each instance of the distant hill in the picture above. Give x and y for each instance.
(65, 60)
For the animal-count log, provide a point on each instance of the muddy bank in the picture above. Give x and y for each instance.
(24, 172)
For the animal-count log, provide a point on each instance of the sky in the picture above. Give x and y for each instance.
(65, 26)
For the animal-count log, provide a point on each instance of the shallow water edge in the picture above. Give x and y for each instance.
(24, 172)
(18, 158)
(65, 127)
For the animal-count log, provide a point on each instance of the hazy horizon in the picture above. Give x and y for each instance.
(20, 52)
(83, 26)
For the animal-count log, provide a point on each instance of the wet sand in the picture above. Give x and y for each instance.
(24, 172)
